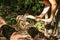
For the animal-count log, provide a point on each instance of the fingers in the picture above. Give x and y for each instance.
(47, 21)
(38, 18)
(44, 20)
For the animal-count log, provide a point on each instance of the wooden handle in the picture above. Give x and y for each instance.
(30, 16)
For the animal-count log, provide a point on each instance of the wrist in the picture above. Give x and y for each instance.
(41, 16)
(51, 18)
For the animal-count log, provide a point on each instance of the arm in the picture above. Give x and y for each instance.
(46, 8)
(53, 8)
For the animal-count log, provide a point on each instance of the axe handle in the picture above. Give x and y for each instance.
(31, 17)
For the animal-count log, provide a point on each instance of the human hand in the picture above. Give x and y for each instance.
(38, 18)
(48, 21)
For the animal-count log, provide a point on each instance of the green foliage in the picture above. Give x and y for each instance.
(40, 25)
(1, 6)
(31, 21)
(8, 7)
(38, 6)
(10, 20)
(28, 2)
(1, 13)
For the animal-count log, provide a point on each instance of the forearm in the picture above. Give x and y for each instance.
(53, 10)
(45, 10)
